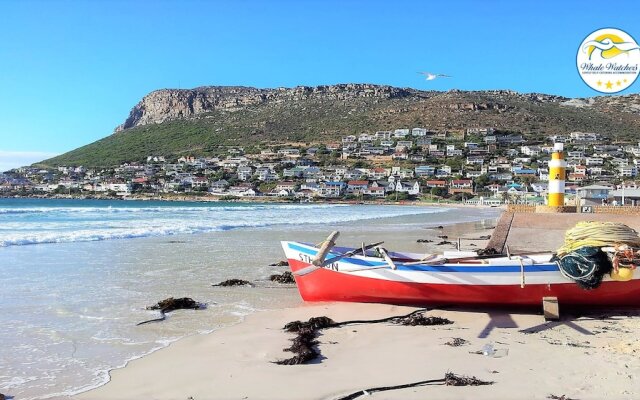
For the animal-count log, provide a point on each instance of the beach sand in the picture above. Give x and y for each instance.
(581, 357)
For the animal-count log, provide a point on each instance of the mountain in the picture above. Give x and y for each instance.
(174, 122)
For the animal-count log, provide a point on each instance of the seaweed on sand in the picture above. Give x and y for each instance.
(450, 379)
(234, 282)
(171, 304)
(305, 344)
(285, 277)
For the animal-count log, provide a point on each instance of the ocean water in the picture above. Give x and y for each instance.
(76, 275)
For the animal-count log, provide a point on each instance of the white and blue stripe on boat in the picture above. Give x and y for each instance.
(537, 269)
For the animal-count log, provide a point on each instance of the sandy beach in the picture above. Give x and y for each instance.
(582, 357)
(585, 355)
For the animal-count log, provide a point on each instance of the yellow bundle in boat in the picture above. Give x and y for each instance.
(598, 234)
(622, 274)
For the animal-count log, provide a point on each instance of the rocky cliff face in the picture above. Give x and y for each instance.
(168, 104)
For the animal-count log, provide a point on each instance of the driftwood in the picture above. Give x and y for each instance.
(443, 236)
(304, 342)
(444, 242)
(285, 277)
(450, 379)
(563, 397)
(171, 304)
(424, 241)
(234, 282)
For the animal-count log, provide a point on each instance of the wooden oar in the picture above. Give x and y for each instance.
(312, 268)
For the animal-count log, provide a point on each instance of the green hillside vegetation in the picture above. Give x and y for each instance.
(318, 120)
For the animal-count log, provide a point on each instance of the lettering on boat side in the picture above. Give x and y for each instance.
(332, 266)
(305, 258)
(309, 260)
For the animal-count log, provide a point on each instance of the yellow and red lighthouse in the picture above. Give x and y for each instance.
(557, 176)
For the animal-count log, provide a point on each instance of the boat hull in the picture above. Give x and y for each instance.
(416, 287)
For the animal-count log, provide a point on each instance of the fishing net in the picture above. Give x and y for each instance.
(586, 266)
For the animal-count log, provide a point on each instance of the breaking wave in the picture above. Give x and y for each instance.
(38, 225)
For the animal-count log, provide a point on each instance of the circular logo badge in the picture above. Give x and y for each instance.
(609, 60)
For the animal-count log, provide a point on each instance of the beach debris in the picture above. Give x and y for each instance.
(439, 227)
(450, 379)
(456, 342)
(234, 282)
(313, 323)
(444, 242)
(489, 251)
(304, 343)
(171, 304)
(490, 351)
(303, 346)
(285, 277)
(421, 320)
(176, 241)
(485, 237)
(282, 263)
(443, 236)
(424, 241)
(562, 397)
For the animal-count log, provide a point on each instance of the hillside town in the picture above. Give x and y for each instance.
(476, 165)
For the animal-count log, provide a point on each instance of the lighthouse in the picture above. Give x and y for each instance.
(557, 175)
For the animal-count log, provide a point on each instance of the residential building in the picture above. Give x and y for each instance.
(461, 186)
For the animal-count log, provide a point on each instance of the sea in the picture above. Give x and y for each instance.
(76, 276)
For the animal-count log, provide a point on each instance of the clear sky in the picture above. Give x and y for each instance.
(70, 71)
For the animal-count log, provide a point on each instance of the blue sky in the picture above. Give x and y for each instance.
(70, 71)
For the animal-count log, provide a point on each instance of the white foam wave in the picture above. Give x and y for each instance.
(163, 209)
(106, 229)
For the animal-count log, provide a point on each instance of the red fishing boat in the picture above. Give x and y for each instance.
(372, 274)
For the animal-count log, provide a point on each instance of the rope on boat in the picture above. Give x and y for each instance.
(592, 249)
(598, 234)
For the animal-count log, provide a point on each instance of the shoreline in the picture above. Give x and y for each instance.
(466, 229)
(262, 199)
(206, 262)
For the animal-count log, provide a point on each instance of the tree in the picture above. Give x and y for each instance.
(482, 181)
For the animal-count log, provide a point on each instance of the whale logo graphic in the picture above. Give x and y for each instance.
(608, 60)
(608, 46)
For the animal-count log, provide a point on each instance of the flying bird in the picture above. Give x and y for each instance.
(429, 76)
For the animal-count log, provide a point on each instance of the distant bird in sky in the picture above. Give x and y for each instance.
(429, 76)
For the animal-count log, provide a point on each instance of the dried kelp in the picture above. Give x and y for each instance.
(171, 304)
(421, 320)
(234, 282)
(450, 379)
(456, 342)
(304, 342)
(285, 277)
